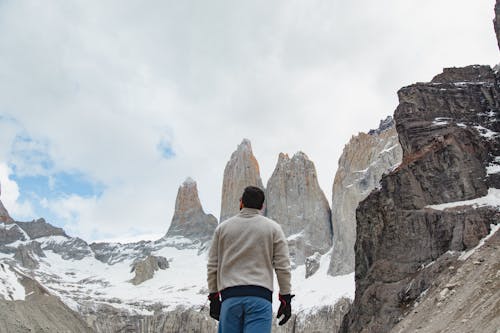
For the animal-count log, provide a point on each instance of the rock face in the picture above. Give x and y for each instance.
(297, 203)
(364, 159)
(145, 269)
(27, 254)
(40, 228)
(189, 219)
(4, 215)
(465, 296)
(241, 171)
(448, 130)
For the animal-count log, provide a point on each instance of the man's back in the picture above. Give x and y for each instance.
(248, 247)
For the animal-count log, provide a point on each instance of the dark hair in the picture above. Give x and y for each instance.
(253, 197)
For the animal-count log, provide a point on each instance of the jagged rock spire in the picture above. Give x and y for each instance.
(189, 218)
(297, 203)
(363, 161)
(241, 171)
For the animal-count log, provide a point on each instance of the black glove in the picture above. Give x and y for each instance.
(215, 304)
(285, 308)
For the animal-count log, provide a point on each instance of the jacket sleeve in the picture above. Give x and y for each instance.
(281, 261)
(213, 262)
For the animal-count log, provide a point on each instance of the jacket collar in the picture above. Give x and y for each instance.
(249, 212)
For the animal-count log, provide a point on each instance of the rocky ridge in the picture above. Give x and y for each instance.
(363, 161)
(448, 130)
(4, 214)
(295, 200)
(189, 220)
(241, 170)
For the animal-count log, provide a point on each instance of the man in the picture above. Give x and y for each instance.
(245, 250)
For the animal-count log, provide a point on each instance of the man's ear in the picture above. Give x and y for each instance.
(241, 204)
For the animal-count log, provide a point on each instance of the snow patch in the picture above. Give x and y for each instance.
(485, 132)
(491, 199)
(441, 121)
(10, 288)
(319, 289)
(493, 169)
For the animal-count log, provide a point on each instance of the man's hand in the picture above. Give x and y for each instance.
(215, 304)
(285, 308)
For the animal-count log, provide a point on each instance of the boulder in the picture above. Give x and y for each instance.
(312, 264)
(146, 268)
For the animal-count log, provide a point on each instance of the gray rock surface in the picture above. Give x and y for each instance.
(73, 248)
(448, 130)
(10, 233)
(145, 269)
(297, 203)
(464, 296)
(39, 312)
(325, 320)
(363, 161)
(40, 228)
(28, 254)
(241, 171)
(189, 219)
(107, 319)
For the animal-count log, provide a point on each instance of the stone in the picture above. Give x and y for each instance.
(448, 130)
(241, 171)
(146, 268)
(297, 203)
(189, 220)
(312, 264)
(363, 162)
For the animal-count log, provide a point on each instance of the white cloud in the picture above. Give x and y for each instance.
(105, 83)
(10, 196)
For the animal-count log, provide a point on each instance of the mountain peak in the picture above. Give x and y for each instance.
(189, 219)
(241, 170)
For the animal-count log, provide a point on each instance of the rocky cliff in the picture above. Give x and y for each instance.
(295, 200)
(363, 161)
(449, 132)
(4, 214)
(189, 219)
(241, 171)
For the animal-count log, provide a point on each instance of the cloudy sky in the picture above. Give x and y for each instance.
(107, 106)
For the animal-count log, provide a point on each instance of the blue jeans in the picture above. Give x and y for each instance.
(246, 314)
